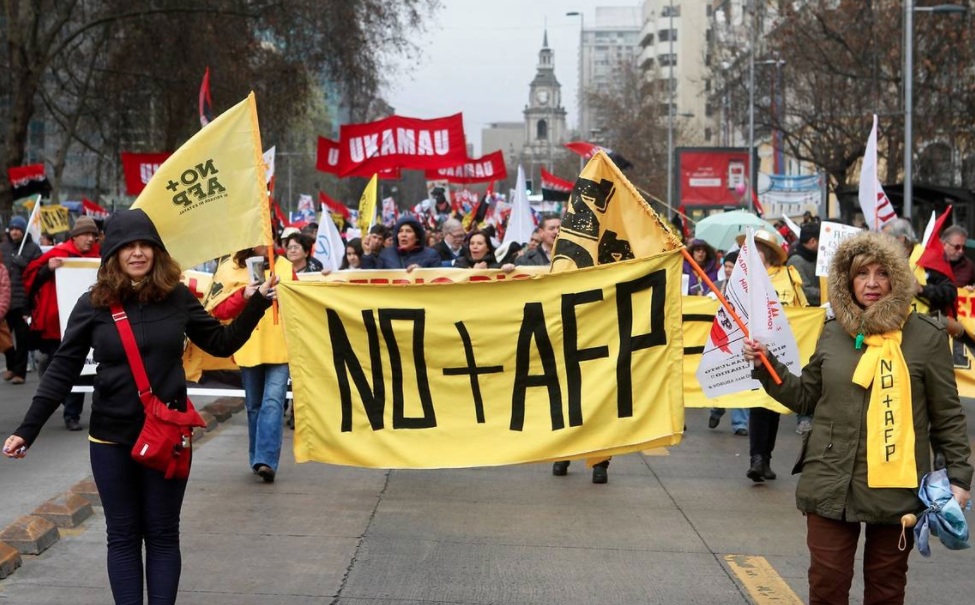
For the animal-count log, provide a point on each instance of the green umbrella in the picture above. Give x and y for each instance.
(720, 230)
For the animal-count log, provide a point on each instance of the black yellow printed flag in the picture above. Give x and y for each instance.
(607, 220)
(210, 197)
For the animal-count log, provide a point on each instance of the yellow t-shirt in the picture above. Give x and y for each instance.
(788, 286)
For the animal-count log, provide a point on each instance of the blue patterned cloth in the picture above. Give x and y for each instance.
(943, 516)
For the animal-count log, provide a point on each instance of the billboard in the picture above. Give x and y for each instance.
(708, 176)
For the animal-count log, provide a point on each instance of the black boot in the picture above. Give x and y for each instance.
(560, 469)
(767, 470)
(599, 474)
(755, 470)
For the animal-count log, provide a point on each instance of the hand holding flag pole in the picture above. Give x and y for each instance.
(729, 309)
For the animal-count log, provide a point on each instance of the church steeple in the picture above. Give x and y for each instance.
(545, 55)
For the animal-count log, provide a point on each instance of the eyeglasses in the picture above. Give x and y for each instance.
(956, 246)
(294, 248)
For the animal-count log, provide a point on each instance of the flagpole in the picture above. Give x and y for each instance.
(729, 309)
(30, 219)
(658, 200)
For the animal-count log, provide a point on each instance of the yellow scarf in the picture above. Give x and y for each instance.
(890, 419)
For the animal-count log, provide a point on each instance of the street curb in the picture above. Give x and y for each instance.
(87, 490)
(33, 534)
(9, 560)
(66, 510)
(30, 535)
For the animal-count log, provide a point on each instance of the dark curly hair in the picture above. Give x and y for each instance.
(115, 286)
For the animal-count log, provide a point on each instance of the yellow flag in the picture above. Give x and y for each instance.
(210, 197)
(487, 373)
(367, 205)
(606, 220)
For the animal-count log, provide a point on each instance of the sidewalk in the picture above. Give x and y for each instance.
(659, 532)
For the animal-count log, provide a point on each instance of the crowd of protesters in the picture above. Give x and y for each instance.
(29, 305)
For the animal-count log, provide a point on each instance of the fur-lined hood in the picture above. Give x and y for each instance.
(890, 312)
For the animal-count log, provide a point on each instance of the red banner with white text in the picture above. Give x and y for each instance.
(398, 142)
(478, 170)
(139, 168)
(328, 160)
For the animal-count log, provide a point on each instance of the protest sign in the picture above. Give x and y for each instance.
(54, 219)
(831, 235)
(72, 279)
(559, 366)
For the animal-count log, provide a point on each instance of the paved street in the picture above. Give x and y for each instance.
(666, 529)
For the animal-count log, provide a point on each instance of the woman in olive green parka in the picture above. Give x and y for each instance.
(833, 491)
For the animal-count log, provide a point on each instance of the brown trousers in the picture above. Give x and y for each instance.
(832, 548)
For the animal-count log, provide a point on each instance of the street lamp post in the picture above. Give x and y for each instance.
(670, 110)
(579, 90)
(909, 10)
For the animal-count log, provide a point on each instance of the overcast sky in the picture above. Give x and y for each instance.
(480, 57)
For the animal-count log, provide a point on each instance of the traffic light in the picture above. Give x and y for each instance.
(528, 186)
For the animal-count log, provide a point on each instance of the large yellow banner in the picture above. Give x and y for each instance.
(698, 315)
(210, 197)
(963, 348)
(558, 366)
(439, 275)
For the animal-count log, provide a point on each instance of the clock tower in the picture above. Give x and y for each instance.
(544, 115)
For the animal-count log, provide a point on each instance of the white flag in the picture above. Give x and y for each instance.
(33, 225)
(329, 248)
(792, 225)
(877, 209)
(520, 223)
(929, 230)
(269, 164)
(723, 369)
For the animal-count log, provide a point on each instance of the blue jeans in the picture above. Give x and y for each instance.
(739, 417)
(141, 505)
(265, 390)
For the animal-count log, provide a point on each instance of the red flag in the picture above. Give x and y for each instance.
(398, 142)
(206, 105)
(586, 150)
(279, 214)
(477, 170)
(555, 189)
(933, 256)
(139, 168)
(758, 205)
(28, 180)
(92, 209)
(333, 206)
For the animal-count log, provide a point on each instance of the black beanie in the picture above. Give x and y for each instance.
(127, 226)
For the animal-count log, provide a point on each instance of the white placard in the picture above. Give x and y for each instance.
(72, 279)
(830, 237)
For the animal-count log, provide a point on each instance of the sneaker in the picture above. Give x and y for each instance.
(714, 421)
(8, 375)
(265, 472)
(741, 432)
(560, 469)
(803, 427)
(600, 474)
(72, 424)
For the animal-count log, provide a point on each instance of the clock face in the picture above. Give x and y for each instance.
(542, 97)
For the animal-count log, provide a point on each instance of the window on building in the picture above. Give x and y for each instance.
(667, 60)
(708, 9)
(707, 85)
(666, 35)
(707, 131)
(541, 130)
(709, 109)
(665, 12)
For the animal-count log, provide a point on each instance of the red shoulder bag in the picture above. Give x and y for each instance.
(165, 443)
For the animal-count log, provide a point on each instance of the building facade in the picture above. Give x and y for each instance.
(544, 115)
(607, 44)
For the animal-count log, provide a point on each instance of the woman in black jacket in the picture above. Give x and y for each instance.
(140, 504)
(479, 254)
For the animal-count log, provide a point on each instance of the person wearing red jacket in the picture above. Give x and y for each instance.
(45, 326)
